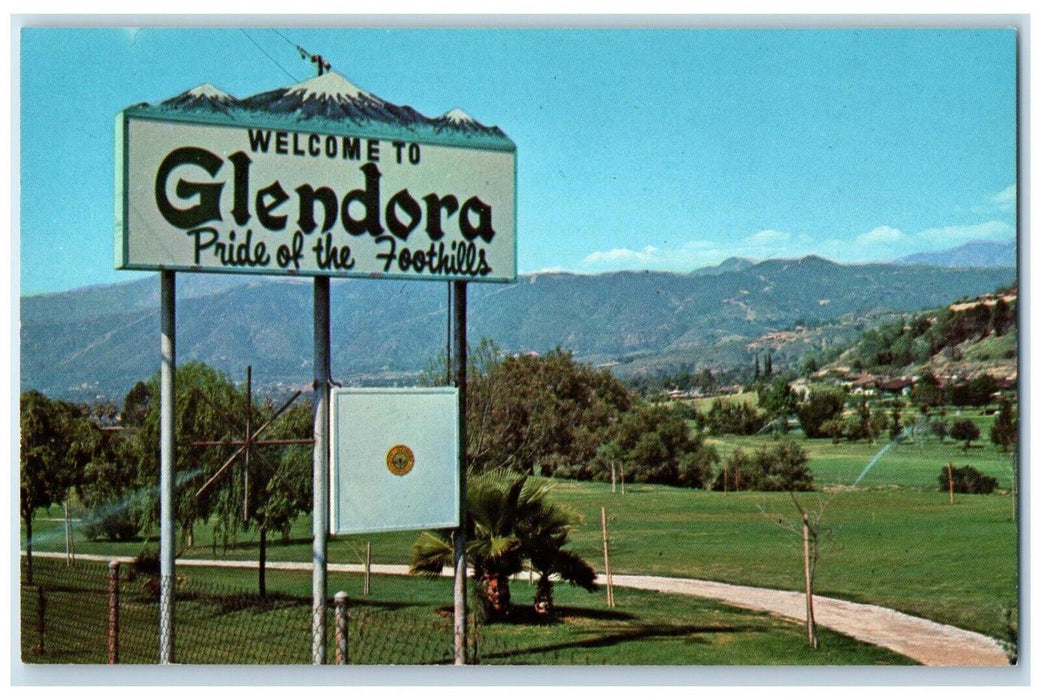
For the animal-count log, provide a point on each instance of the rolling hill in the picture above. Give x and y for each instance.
(97, 342)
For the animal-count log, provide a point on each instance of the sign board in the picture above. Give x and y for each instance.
(394, 460)
(295, 183)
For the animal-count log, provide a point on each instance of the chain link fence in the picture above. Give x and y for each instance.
(93, 613)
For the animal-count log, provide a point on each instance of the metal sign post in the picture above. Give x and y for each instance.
(459, 312)
(167, 464)
(320, 517)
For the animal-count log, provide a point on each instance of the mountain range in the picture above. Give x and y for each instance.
(972, 254)
(95, 343)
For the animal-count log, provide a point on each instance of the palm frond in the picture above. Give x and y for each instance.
(431, 552)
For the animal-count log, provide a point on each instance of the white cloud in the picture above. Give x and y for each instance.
(880, 235)
(1005, 200)
(769, 236)
(956, 235)
(623, 257)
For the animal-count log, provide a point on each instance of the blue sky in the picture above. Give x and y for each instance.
(663, 149)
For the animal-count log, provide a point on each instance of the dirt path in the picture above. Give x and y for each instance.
(930, 643)
(925, 641)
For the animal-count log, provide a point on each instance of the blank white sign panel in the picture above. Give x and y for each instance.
(394, 460)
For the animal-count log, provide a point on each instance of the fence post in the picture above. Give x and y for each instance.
(340, 602)
(607, 559)
(41, 603)
(113, 612)
(368, 567)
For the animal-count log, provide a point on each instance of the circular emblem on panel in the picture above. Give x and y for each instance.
(400, 460)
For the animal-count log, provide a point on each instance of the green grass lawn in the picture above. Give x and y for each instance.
(408, 620)
(893, 541)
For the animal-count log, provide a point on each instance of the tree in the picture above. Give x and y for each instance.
(940, 428)
(734, 417)
(57, 440)
(821, 406)
(778, 401)
(109, 490)
(810, 527)
(544, 529)
(1002, 317)
(895, 426)
(656, 446)
(965, 430)
(213, 476)
(206, 404)
(508, 519)
(1004, 432)
(542, 414)
(738, 471)
(136, 404)
(926, 392)
(784, 466)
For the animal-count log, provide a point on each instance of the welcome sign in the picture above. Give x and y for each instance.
(321, 178)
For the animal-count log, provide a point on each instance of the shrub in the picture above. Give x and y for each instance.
(738, 472)
(965, 430)
(115, 524)
(822, 406)
(734, 418)
(967, 479)
(655, 444)
(783, 466)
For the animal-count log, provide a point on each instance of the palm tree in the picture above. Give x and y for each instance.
(509, 519)
(544, 529)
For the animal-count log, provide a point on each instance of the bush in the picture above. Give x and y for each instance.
(117, 525)
(940, 428)
(967, 479)
(780, 467)
(965, 430)
(655, 445)
(822, 406)
(734, 418)
(738, 472)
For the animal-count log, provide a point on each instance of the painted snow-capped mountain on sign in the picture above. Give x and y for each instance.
(327, 101)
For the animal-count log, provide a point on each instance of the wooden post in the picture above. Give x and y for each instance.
(368, 567)
(811, 632)
(726, 478)
(41, 621)
(612, 476)
(70, 549)
(262, 569)
(245, 457)
(113, 612)
(950, 481)
(607, 558)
